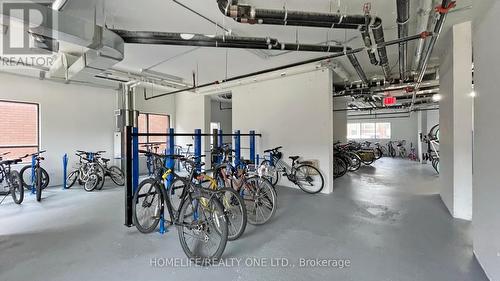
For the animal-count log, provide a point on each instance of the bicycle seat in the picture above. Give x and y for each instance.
(105, 160)
(294, 157)
(246, 162)
(189, 144)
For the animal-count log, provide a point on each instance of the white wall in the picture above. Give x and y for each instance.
(161, 105)
(193, 111)
(294, 112)
(455, 116)
(401, 128)
(224, 116)
(340, 119)
(71, 117)
(486, 192)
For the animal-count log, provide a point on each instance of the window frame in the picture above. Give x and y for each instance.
(147, 125)
(359, 125)
(38, 125)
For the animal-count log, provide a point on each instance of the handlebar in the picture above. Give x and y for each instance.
(273, 149)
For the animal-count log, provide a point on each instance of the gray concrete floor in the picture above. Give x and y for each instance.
(387, 220)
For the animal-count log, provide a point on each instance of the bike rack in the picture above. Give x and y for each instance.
(33, 163)
(65, 170)
(131, 156)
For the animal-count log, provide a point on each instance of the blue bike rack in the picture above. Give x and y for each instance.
(65, 170)
(257, 162)
(197, 148)
(169, 163)
(135, 160)
(33, 163)
(237, 148)
(252, 146)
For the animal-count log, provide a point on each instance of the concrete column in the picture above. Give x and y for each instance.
(340, 119)
(456, 121)
(422, 131)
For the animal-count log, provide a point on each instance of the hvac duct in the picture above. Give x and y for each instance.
(355, 63)
(424, 22)
(365, 34)
(168, 38)
(249, 14)
(403, 11)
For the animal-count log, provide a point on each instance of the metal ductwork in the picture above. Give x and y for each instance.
(355, 63)
(251, 15)
(200, 40)
(403, 11)
(443, 10)
(365, 34)
(378, 35)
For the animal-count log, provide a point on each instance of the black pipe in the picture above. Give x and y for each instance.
(365, 34)
(180, 39)
(378, 35)
(403, 16)
(355, 63)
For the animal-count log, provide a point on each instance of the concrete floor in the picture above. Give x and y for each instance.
(387, 220)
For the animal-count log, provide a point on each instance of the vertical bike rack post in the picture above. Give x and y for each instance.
(65, 170)
(129, 193)
(257, 162)
(135, 158)
(169, 164)
(33, 163)
(252, 146)
(197, 148)
(221, 144)
(237, 148)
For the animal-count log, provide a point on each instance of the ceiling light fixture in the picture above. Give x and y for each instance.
(187, 36)
(473, 94)
(58, 4)
(436, 97)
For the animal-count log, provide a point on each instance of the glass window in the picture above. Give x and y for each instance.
(353, 131)
(383, 131)
(368, 130)
(154, 123)
(18, 128)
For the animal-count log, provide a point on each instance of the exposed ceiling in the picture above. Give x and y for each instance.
(212, 64)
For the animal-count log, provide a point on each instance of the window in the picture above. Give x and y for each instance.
(153, 123)
(19, 133)
(369, 131)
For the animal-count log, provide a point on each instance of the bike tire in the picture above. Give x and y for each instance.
(339, 167)
(38, 184)
(211, 220)
(378, 153)
(174, 193)
(273, 173)
(116, 175)
(91, 183)
(261, 194)
(308, 171)
(235, 210)
(16, 187)
(150, 192)
(71, 178)
(26, 177)
(102, 176)
(354, 161)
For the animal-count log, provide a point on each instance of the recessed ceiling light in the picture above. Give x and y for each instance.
(436, 97)
(187, 36)
(473, 94)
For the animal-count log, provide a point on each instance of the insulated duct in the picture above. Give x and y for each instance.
(182, 39)
(365, 34)
(403, 11)
(378, 35)
(425, 16)
(249, 14)
(355, 63)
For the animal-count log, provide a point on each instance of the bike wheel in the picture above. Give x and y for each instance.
(174, 194)
(147, 206)
(116, 175)
(99, 170)
(272, 173)
(260, 199)
(25, 173)
(91, 183)
(354, 161)
(71, 178)
(339, 167)
(38, 184)
(309, 178)
(16, 187)
(235, 210)
(378, 153)
(202, 228)
(403, 153)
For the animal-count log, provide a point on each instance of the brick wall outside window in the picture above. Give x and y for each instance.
(154, 123)
(18, 128)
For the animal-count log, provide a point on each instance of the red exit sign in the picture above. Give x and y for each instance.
(389, 100)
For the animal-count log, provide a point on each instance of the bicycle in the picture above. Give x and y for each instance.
(30, 179)
(113, 172)
(12, 179)
(88, 172)
(413, 153)
(200, 213)
(390, 149)
(257, 192)
(303, 174)
(402, 152)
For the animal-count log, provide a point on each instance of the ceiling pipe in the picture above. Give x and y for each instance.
(355, 63)
(200, 40)
(251, 15)
(424, 22)
(443, 10)
(403, 11)
(365, 34)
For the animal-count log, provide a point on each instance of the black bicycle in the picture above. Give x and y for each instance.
(29, 178)
(12, 179)
(200, 219)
